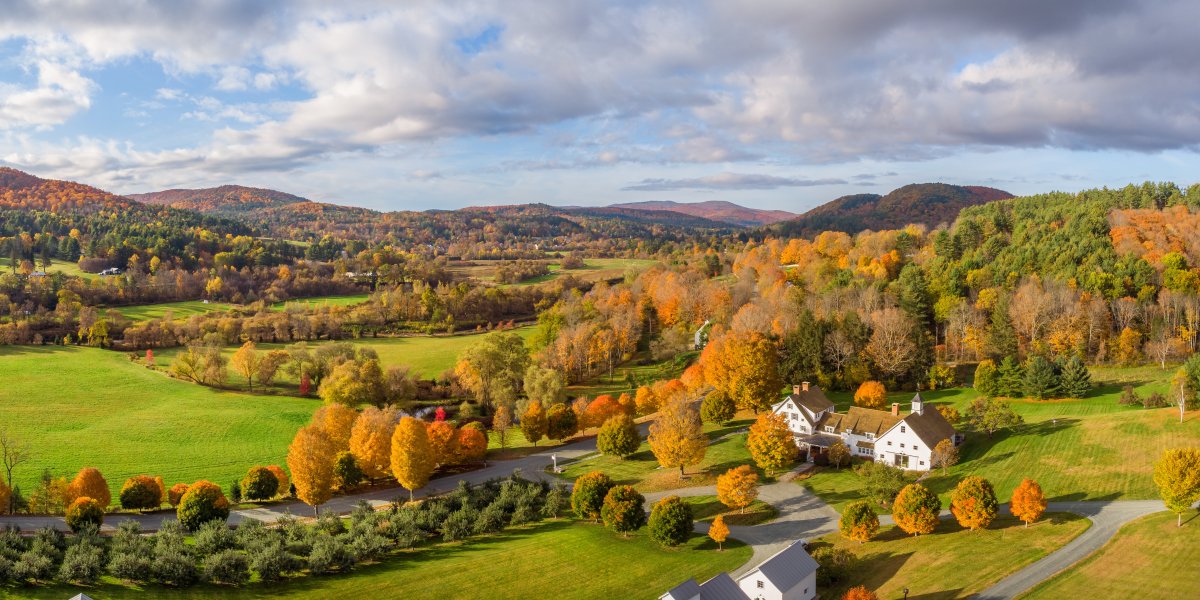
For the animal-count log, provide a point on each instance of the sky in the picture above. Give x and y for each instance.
(781, 104)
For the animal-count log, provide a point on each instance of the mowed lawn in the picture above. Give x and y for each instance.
(1086, 449)
(319, 301)
(178, 310)
(79, 407)
(952, 562)
(1149, 558)
(562, 559)
(65, 267)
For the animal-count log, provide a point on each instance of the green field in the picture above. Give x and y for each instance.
(78, 407)
(952, 562)
(179, 310)
(67, 268)
(594, 269)
(1149, 558)
(350, 300)
(1088, 449)
(575, 560)
(706, 508)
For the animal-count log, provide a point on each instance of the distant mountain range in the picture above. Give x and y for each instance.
(714, 210)
(926, 203)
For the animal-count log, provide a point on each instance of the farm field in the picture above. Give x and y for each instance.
(952, 562)
(180, 310)
(349, 300)
(1088, 449)
(576, 560)
(62, 266)
(1149, 558)
(78, 407)
(594, 269)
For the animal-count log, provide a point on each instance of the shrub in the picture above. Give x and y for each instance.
(33, 566)
(458, 525)
(717, 407)
(235, 492)
(227, 566)
(204, 501)
(174, 567)
(588, 496)
(329, 555)
(130, 566)
(83, 563)
(833, 564)
(490, 519)
(624, 509)
(347, 471)
(213, 537)
(986, 378)
(618, 437)
(272, 562)
(860, 593)
(175, 494)
(140, 492)
(556, 501)
(82, 512)
(259, 484)
(671, 521)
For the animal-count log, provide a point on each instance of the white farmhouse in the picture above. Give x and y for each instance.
(904, 441)
(790, 574)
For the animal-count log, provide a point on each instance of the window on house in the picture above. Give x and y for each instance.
(922, 463)
(901, 429)
(870, 436)
(901, 445)
(889, 443)
(760, 584)
(829, 429)
(916, 447)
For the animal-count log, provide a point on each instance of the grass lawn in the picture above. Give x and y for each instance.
(642, 471)
(79, 407)
(706, 508)
(839, 487)
(65, 267)
(951, 562)
(1149, 558)
(180, 310)
(1086, 449)
(322, 301)
(574, 560)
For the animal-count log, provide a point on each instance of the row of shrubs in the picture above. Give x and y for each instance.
(221, 555)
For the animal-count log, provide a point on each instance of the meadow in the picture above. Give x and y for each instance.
(61, 266)
(1087, 449)
(575, 560)
(593, 269)
(177, 310)
(320, 301)
(78, 407)
(1149, 558)
(952, 562)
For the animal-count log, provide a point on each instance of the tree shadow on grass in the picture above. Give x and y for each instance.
(1084, 496)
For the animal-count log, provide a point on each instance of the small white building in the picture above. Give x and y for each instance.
(721, 587)
(790, 574)
(904, 441)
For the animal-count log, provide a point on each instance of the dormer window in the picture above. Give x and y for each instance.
(870, 436)
(829, 428)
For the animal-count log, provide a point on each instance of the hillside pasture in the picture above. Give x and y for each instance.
(177, 310)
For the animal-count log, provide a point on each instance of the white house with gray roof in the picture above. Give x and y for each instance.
(790, 574)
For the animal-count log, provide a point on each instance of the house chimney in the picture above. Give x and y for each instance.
(896, 409)
(796, 388)
(804, 385)
(918, 404)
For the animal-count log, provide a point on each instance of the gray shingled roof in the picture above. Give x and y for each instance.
(684, 591)
(788, 567)
(721, 587)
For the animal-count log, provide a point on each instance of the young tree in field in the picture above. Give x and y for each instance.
(973, 503)
(310, 459)
(501, 422)
(472, 444)
(89, 482)
(871, 394)
(443, 442)
(561, 422)
(717, 408)
(623, 510)
(916, 509)
(371, 441)
(13, 452)
(859, 593)
(269, 364)
(719, 532)
(1041, 380)
(859, 522)
(991, 415)
(944, 455)
(1010, 378)
(246, 361)
(84, 512)
(839, 454)
(337, 421)
(587, 496)
(618, 437)
(671, 522)
(533, 423)
(259, 484)
(1177, 475)
(987, 381)
(770, 442)
(646, 400)
(738, 487)
(677, 436)
(1181, 390)
(412, 456)
(1075, 380)
(1028, 501)
(285, 482)
(140, 492)
(203, 502)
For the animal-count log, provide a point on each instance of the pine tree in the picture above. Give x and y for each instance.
(1001, 338)
(1075, 380)
(1010, 378)
(1041, 379)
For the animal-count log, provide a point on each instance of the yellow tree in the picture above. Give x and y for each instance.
(534, 423)
(371, 441)
(744, 365)
(973, 503)
(1028, 501)
(770, 442)
(871, 394)
(677, 436)
(310, 459)
(246, 362)
(443, 440)
(738, 487)
(337, 421)
(412, 457)
(89, 482)
(915, 509)
(1177, 475)
(718, 532)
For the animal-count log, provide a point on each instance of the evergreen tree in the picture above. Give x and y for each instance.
(987, 381)
(1041, 378)
(1010, 378)
(913, 292)
(1075, 381)
(1002, 338)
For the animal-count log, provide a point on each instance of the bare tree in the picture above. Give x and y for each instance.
(891, 346)
(13, 452)
(839, 349)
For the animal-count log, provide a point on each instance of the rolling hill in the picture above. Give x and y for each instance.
(713, 210)
(226, 199)
(927, 203)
